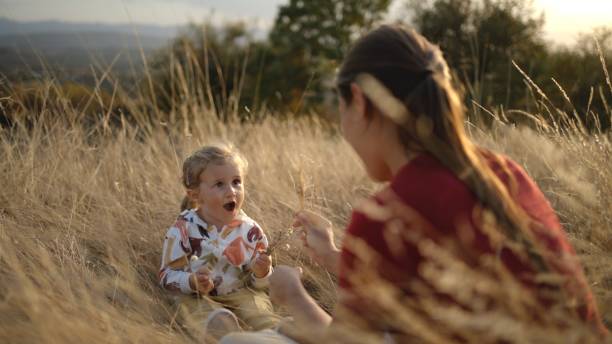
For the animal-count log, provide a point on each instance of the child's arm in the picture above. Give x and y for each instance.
(175, 254)
(261, 269)
(261, 264)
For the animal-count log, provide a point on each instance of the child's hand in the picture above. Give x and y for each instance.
(261, 265)
(200, 281)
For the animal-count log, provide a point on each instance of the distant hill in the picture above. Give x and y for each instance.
(10, 27)
(53, 42)
(69, 49)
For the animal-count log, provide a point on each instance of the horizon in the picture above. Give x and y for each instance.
(563, 22)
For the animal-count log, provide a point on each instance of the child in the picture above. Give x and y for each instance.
(214, 250)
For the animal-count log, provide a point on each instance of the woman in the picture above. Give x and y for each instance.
(450, 207)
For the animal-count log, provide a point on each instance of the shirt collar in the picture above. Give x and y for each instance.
(193, 216)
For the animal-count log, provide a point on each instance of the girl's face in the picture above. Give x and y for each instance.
(364, 134)
(220, 194)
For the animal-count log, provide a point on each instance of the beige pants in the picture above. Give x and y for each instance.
(252, 307)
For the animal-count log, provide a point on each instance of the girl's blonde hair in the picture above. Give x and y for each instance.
(199, 160)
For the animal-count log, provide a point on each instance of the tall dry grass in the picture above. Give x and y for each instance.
(86, 201)
(83, 215)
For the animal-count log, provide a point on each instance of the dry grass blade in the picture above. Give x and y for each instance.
(284, 238)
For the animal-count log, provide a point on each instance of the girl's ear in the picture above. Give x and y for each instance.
(192, 194)
(359, 100)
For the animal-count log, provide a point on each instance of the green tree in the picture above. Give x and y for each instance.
(210, 67)
(228, 69)
(307, 42)
(481, 39)
(578, 70)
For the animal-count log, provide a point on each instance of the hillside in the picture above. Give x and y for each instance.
(68, 49)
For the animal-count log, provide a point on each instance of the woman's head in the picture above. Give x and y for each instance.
(405, 69)
(414, 71)
(213, 178)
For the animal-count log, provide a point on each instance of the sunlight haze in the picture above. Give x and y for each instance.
(564, 19)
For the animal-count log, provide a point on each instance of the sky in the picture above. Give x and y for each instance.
(564, 18)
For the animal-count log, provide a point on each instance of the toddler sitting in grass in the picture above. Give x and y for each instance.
(214, 253)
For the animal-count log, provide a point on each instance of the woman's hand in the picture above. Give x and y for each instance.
(286, 290)
(200, 281)
(285, 284)
(318, 238)
(261, 266)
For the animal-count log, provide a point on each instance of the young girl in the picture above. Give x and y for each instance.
(448, 205)
(214, 252)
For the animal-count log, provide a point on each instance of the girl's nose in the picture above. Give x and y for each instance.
(233, 190)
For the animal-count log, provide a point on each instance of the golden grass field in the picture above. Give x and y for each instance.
(85, 204)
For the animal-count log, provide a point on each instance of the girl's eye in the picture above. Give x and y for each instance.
(219, 184)
(237, 181)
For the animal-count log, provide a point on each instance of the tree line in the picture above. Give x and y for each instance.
(489, 44)
(495, 49)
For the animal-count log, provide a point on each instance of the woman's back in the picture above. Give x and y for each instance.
(437, 205)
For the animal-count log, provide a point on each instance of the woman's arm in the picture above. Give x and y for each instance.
(286, 289)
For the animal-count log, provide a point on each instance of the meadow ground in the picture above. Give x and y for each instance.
(85, 205)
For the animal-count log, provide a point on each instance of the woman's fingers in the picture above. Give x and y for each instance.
(314, 225)
(302, 219)
(310, 221)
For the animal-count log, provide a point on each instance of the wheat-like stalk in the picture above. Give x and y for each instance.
(286, 236)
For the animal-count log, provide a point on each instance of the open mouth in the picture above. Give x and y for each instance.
(230, 206)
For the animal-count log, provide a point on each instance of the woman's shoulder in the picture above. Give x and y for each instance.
(423, 175)
(506, 169)
(432, 190)
(423, 186)
(524, 190)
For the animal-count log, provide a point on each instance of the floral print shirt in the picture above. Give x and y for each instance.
(227, 252)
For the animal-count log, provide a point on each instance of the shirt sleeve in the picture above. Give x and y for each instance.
(176, 250)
